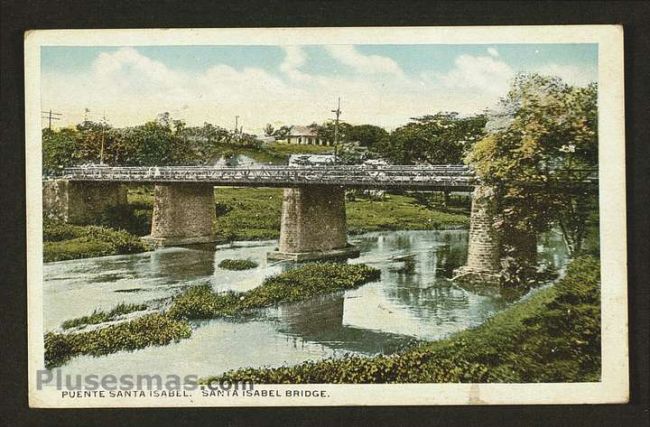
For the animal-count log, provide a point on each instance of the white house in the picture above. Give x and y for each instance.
(304, 135)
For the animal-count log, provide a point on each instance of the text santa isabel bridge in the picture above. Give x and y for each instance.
(313, 224)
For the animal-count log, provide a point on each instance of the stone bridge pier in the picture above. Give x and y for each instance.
(484, 248)
(183, 214)
(313, 225)
(80, 202)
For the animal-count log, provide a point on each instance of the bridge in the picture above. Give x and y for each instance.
(435, 177)
(313, 223)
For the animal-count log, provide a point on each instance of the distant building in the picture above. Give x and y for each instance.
(304, 135)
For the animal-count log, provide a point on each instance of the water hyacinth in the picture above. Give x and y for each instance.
(201, 302)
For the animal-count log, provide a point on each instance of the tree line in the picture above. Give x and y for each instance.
(543, 134)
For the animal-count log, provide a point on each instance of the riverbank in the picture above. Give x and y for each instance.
(65, 241)
(552, 336)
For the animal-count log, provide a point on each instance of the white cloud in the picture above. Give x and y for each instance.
(132, 88)
(484, 74)
(366, 64)
(295, 57)
(493, 52)
(571, 74)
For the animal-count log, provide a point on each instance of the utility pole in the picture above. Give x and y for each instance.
(51, 116)
(336, 128)
(101, 150)
(236, 127)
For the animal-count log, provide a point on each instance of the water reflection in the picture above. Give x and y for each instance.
(379, 317)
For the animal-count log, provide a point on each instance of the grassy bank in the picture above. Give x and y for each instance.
(254, 214)
(554, 336)
(65, 241)
(149, 330)
(201, 302)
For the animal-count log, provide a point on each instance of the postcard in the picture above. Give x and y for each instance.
(326, 216)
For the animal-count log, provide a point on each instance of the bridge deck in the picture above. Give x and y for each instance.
(452, 177)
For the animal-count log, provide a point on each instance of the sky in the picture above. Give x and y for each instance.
(383, 85)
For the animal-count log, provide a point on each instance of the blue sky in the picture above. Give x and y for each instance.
(379, 84)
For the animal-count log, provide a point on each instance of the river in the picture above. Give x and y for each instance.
(379, 317)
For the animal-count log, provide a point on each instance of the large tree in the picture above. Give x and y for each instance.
(540, 146)
(59, 150)
(367, 135)
(442, 138)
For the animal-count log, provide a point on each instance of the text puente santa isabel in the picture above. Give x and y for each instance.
(313, 224)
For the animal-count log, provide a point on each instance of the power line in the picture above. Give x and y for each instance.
(51, 116)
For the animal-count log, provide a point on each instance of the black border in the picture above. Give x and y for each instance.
(18, 16)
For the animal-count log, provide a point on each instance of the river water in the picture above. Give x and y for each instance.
(379, 317)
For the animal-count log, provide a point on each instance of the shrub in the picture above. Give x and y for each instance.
(237, 264)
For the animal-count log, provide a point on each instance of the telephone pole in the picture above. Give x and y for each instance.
(336, 128)
(101, 150)
(51, 116)
(236, 128)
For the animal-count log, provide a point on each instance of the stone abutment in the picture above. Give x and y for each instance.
(80, 202)
(183, 214)
(313, 224)
(484, 248)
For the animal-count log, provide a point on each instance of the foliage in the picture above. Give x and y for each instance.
(200, 302)
(544, 134)
(442, 138)
(65, 241)
(552, 336)
(99, 316)
(152, 329)
(237, 264)
(367, 135)
(134, 218)
(58, 150)
(269, 130)
(282, 132)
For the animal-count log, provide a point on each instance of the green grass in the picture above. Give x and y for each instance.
(237, 264)
(149, 330)
(254, 214)
(98, 316)
(553, 336)
(65, 241)
(201, 302)
(398, 212)
(248, 213)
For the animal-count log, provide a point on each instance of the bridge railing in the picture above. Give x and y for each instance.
(444, 175)
(353, 175)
